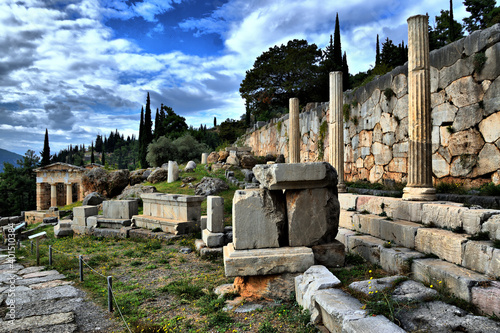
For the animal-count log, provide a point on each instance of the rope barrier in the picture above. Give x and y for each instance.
(96, 272)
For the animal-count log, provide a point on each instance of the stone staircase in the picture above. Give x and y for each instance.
(428, 240)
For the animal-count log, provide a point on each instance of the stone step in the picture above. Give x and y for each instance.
(480, 256)
(464, 283)
(167, 225)
(445, 215)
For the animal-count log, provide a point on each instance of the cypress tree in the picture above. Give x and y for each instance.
(148, 123)
(215, 121)
(142, 151)
(337, 48)
(92, 158)
(157, 124)
(377, 55)
(345, 73)
(46, 150)
(103, 159)
(452, 23)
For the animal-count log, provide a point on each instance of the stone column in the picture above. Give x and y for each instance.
(69, 194)
(53, 195)
(39, 196)
(419, 185)
(294, 132)
(337, 128)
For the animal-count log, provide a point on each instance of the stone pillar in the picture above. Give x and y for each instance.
(39, 196)
(204, 158)
(173, 171)
(294, 132)
(69, 194)
(337, 128)
(53, 195)
(419, 185)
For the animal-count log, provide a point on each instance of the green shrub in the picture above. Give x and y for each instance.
(479, 61)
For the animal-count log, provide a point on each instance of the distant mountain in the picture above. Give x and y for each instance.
(8, 156)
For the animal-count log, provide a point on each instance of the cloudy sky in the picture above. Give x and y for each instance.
(83, 67)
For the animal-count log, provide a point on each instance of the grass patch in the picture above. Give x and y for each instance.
(184, 289)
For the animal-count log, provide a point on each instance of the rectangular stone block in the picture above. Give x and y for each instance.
(492, 226)
(259, 219)
(397, 260)
(409, 211)
(212, 239)
(337, 308)
(443, 215)
(79, 229)
(367, 224)
(313, 216)
(284, 176)
(377, 205)
(347, 201)
(173, 206)
(266, 261)
(478, 256)
(487, 298)
(494, 266)
(92, 221)
(371, 324)
(366, 246)
(215, 214)
(81, 221)
(473, 219)
(166, 225)
(346, 219)
(343, 235)
(445, 244)
(120, 209)
(458, 280)
(85, 211)
(203, 222)
(399, 232)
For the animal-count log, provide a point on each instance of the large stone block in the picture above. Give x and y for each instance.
(313, 216)
(366, 246)
(282, 176)
(445, 244)
(347, 200)
(315, 278)
(215, 214)
(399, 232)
(487, 298)
(457, 280)
(331, 255)
(346, 219)
(259, 219)
(173, 206)
(343, 235)
(371, 324)
(478, 256)
(120, 209)
(397, 259)
(367, 224)
(85, 211)
(266, 261)
(443, 215)
(473, 219)
(492, 226)
(212, 239)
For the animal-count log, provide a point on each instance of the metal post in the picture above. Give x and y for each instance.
(50, 255)
(18, 244)
(37, 252)
(81, 267)
(31, 242)
(110, 295)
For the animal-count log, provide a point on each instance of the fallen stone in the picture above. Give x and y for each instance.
(259, 219)
(173, 171)
(248, 307)
(320, 207)
(413, 291)
(63, 230)
(306, 285)
(371, 286)
(211, 253)
(295, 175)
(266, 261)
(190, 166)
(32, 269)
(210, 186)
(371, 324)
(269, 287)
(93, 199)
(439, 317)
(120, 209)
(50, 284)
(224, 289)
(157, 176)
(331, 255)
(49, 307)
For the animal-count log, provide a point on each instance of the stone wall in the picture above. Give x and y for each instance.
(465, 104)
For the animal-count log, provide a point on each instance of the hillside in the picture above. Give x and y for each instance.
(8, 156)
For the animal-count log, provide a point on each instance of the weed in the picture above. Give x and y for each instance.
(152, 266)
(490, 189)
(354, 259)
(450, 129)
(153, 245)
(479, 61)
(267, 327)
(129, 253)
(354, 103)
(480, 236)
(383, 214)
(389, 93)
(355, 120)
(136, 263)
(346, 110)
(458, 230)
(279, 126)
(184, 289)
(496, 244)
(454, 188)
(388, 244)
(364, 212)
(321, 139)
(351, 209)
(219, 319)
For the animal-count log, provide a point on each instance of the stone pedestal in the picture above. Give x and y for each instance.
(215, 214)
(419, 114)
(204, 158)
(294, 132)
(120, 209)
(173, 171)
(337, 128)
(69, 194)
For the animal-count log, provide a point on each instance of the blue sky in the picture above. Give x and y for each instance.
(83, 67)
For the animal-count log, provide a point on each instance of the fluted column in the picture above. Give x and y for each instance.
(69, 194)
(419, 185)
(53, 195)
(294, 132)
(337, 128)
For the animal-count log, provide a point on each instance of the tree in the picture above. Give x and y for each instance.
(277, 75)
(103, 159)
(345, 73)
(45, 153)
(174, 125)
(18, 185)
(447, 30)
(337, 47)
(480, 11)
(377, 54)
(98, 144)
(215, 121)
(142, 147)
(92, 157)
(161, 151)
(148, 123)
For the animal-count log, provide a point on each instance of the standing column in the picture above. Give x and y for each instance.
(69, 194)
(337, 128)
(53, 195)
(294, 132)
(419, 185)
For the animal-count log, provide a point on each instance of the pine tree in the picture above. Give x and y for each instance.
(377, 55)
(345, 73)
(337, 47)
(46, 150)
(92, 158)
